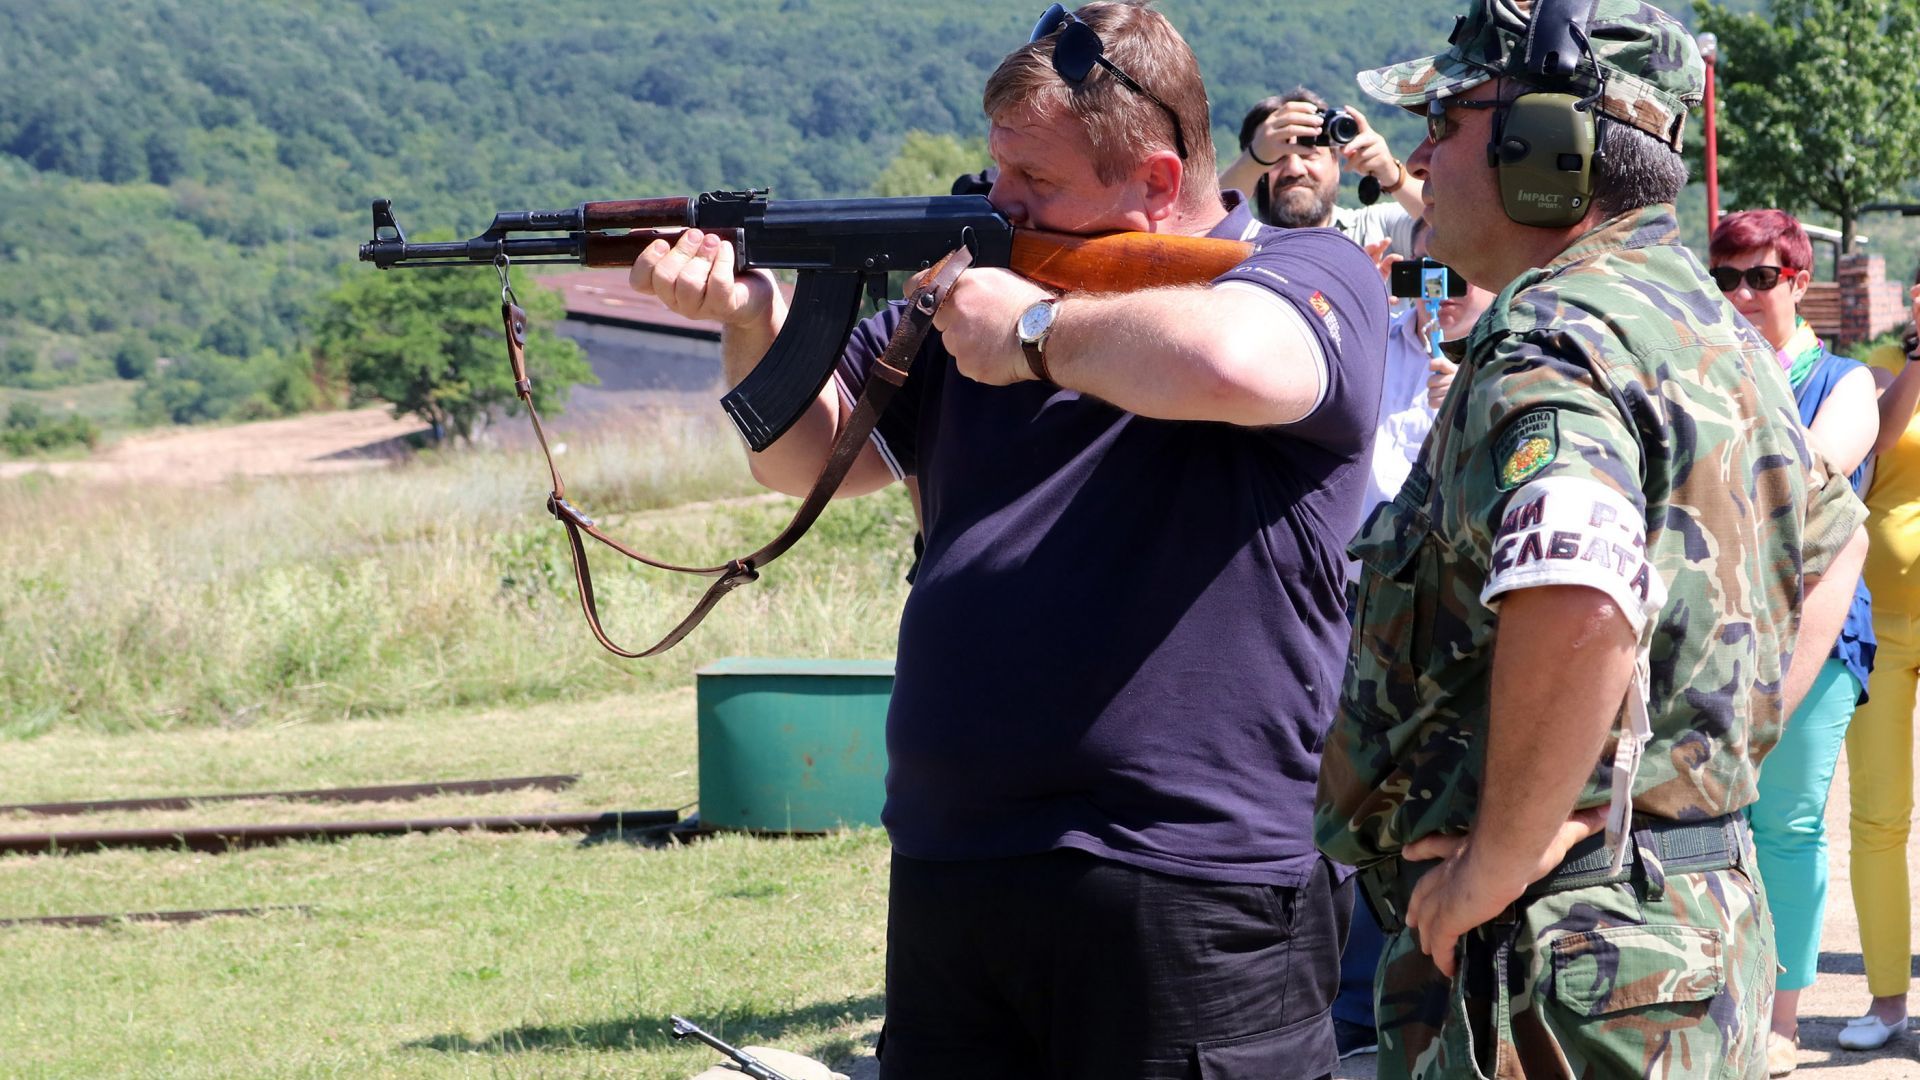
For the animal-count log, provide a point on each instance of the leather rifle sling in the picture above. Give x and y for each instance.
(888, 373)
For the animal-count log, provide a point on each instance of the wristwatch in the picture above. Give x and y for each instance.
(1034, 325)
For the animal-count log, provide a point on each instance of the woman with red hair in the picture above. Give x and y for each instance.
(1760, 260)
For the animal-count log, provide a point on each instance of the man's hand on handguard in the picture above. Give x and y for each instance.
(1472, 886)
(695, 278)
(979, 325)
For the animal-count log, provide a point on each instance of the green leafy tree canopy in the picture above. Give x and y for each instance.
(928, 163)
(428, 342)
(1820, 103)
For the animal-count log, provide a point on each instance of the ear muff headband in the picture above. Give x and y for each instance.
(1545, 140)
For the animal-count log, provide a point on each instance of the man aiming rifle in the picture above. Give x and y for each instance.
(1121, 650)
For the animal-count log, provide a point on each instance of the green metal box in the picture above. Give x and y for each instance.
(792, 745)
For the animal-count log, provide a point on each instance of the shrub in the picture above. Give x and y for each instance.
(29, 430)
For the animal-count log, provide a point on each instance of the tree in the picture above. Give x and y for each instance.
(430, 343)
(133, 358)
(1820, 103)
(195, 389)
(927, 164)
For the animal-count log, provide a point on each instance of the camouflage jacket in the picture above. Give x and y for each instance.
(1619, 378)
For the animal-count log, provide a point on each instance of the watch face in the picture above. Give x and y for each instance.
(1035, 321)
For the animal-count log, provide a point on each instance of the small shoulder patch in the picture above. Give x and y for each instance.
(1529, 444)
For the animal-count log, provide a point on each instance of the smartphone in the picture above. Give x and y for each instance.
(1420, 279)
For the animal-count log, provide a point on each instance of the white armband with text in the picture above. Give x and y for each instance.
(1570, 530)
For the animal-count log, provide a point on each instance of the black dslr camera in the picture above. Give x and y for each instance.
(1338, 127)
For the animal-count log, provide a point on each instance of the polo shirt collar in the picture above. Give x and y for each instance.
(1239, 224)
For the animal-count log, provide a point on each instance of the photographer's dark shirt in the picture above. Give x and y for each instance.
(1126, 635)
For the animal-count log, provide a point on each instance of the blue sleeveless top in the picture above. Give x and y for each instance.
(1856, 645)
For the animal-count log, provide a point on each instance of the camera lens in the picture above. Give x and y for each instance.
(1340, 127)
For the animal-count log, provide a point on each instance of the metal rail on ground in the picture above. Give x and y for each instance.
(221, 838)
(379, 793)
(152, 916)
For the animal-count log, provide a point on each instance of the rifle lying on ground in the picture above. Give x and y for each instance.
(843, 249)
(747, 1063)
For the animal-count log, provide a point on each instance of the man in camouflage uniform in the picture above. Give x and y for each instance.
(1617, 493)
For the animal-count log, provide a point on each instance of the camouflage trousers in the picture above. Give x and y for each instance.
(1664, 977)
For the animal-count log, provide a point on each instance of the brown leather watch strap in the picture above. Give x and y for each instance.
(1037, 360)
(1399, 178)
(889, 372)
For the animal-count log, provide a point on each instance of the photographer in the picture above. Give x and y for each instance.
(1292, 147)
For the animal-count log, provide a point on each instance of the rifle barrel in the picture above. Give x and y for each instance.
(481, 249)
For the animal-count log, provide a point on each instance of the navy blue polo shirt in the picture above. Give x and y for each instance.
(1127, 634)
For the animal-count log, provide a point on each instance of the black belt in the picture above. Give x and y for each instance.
(1680, 847)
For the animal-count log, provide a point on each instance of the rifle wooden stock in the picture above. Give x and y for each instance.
(674, 211)
(1122, 261)
(607, 249)
(1109, 263)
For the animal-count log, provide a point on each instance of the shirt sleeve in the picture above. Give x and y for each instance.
(1834, 512)
(1397, 224)
(1553, 481)
(1334, 290)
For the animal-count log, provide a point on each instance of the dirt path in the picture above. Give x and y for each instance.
(313, 443)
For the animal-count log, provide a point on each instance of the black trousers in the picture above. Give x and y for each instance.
(1065, 966)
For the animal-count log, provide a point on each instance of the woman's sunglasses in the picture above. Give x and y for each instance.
(1758, 278)
(1079, 48)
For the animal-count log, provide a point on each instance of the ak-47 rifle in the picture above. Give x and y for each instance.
(843, 249)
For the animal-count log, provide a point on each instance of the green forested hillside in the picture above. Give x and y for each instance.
(185, 176)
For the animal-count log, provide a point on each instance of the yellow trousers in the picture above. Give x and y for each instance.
(1880, 781)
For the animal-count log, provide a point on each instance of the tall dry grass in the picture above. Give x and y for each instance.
(438, 582)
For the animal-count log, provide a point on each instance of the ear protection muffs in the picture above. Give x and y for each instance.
(1545, 141)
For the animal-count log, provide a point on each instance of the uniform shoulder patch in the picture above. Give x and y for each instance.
(1529, 445)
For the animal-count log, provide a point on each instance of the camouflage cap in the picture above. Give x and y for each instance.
(1651, 71)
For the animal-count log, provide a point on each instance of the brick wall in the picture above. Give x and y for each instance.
(1821, 308)
(1870, 305)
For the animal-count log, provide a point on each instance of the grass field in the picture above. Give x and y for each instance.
(108, 403)
(417, 623)
(520, 955)
(442, 583)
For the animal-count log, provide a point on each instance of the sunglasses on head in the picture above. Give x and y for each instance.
(1079, 48)
(1758, 278)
